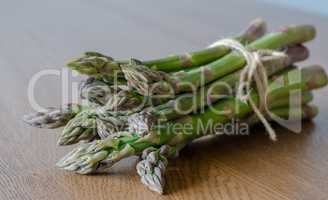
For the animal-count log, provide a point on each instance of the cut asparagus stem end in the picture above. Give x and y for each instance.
(257, 28)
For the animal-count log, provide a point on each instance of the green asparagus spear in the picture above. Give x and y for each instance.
(100, 155)
(307, 112)
(96, 64)
(154, 161)
(256, 29)
(149, 82)
(192, 103)
(73, 130)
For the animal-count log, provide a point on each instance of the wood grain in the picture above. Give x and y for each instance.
(44, 34)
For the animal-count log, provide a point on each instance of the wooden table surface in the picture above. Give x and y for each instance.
(44, 34)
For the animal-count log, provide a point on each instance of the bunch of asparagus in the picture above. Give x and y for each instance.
(155, 108)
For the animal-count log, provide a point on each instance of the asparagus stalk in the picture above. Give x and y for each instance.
(256, 29)
(96, 64)
(96, 90)
(73, 130)
(99, 156)
(273, 63)
(190, 103)
(148, 82)
(307, 112)
(293, 54)
(306, 97)
(154, 161)
(97, 93)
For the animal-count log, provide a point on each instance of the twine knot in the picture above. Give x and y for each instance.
(254, 70)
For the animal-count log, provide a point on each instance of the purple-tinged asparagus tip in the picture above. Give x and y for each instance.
(310, 111)
(297, 53)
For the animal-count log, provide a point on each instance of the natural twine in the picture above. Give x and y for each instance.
(254, 69)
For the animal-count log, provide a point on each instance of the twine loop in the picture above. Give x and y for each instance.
(254, 70)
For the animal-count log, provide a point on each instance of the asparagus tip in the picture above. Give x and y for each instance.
(93, 64)
(152, 167)
(84, 159)
(141, 77)
(51, 117)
